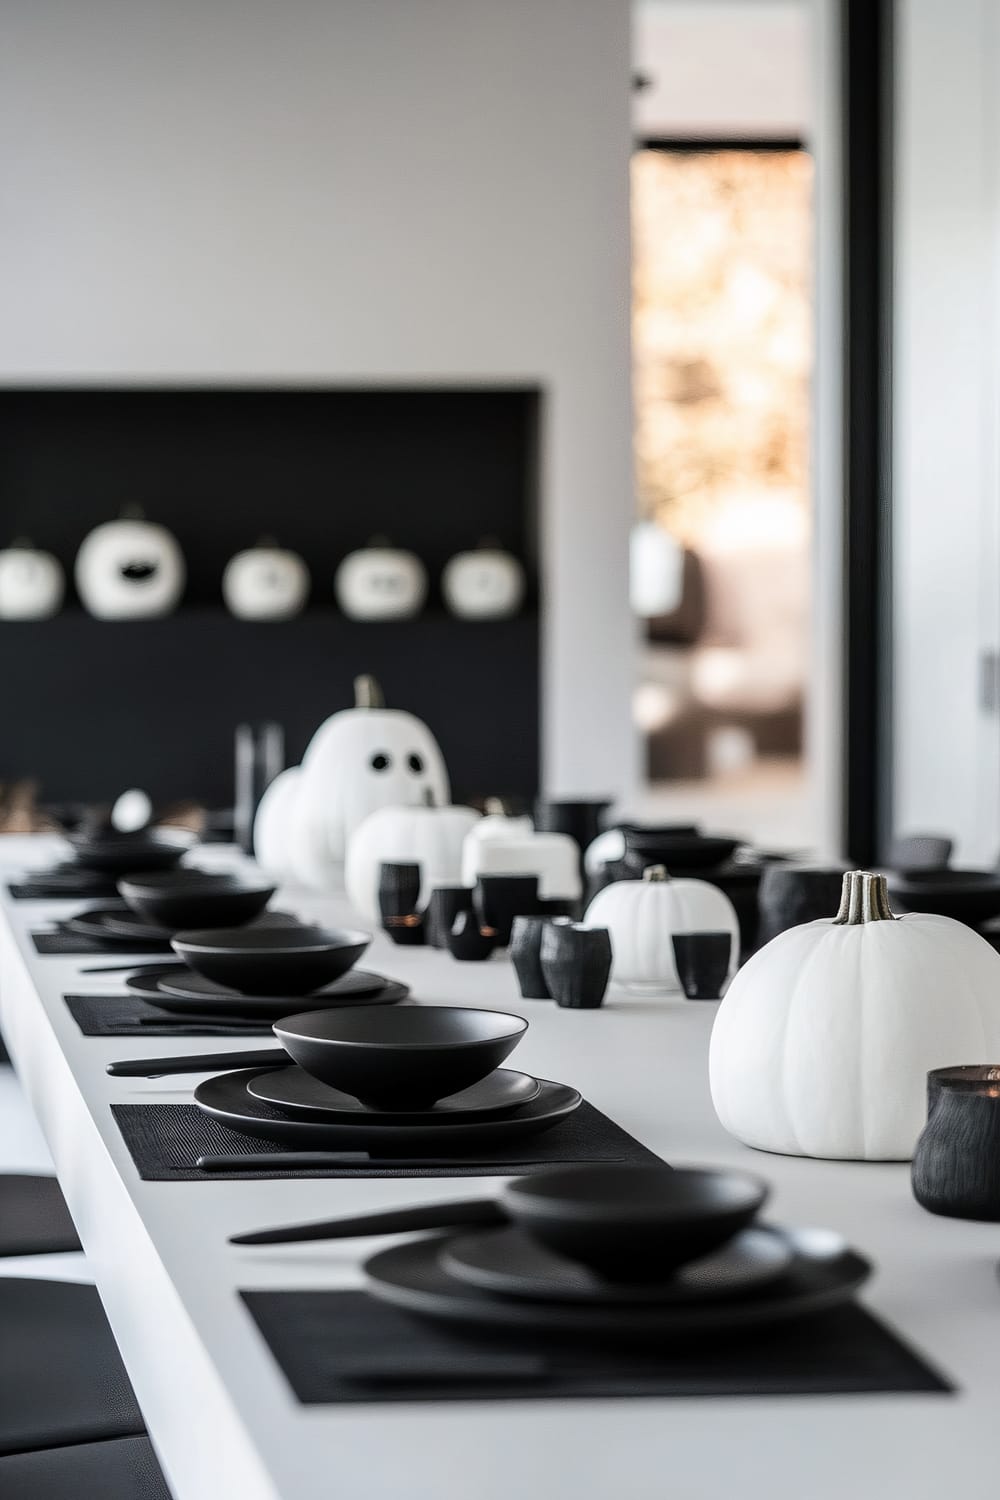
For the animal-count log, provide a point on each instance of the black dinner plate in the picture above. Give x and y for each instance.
(292, 1089)
(184, 984)
(509, 1263)
(823, 1274)
(227, 1098)
(108, 924)
(358, 987)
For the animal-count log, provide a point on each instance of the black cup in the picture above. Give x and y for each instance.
(576, 963)
(956, 1163)
(399, 903)
(498, 899)
(469, 942)
(702, 960)
(525, 955)
(792, 894)
(446, 901)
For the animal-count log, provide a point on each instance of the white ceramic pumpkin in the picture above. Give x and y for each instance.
(431, 837)
(496, 824)
(272, 825)
(129, 570)
(553, 857)
(381, 583)
(642, 917)
(31, 583)
(265, 582)
(823, 1042)
(656, 570)
(486, 584)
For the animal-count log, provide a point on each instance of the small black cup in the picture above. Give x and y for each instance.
(498, 899)
(446, 901)
(525, 955)
(576, 964)
(702, 960)
(399, 903)
(956, 1162)
(467, 941)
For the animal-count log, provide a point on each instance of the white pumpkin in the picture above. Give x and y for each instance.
(31, 583)
(431, 837)
(487, 584)
(381, 583)
(656, 570)
(265, 582)
(553, 857)
(498, 825)
(607, 849)
(643, 916)
(272, 825)
(824, 1040)
(129, 570)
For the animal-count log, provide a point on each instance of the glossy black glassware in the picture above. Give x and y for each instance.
(446, 901)
(526, 955)
(498, 899)
(467, 941)
(956, 1163)
(702, 960)
(576, 964)
(399, 903)
(792, 894)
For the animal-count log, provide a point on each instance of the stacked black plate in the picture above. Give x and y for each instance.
(100, 857)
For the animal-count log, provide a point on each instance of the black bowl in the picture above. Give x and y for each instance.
(271, 960)
(400, 1059)
(633, 1223)
(970, 896)
(679, 851)
(131, 853)
(195, 898)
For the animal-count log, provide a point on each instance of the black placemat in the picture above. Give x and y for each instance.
(39, 890)
(165, 1140)
(348, 1346)
(72, 945)
(122, 1015)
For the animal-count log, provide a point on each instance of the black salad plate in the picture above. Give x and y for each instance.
(113, 924)
(509, 1263)
(184, 984)
(358, 987)
(824, 1273)
(227, 1098)
(293, 1090)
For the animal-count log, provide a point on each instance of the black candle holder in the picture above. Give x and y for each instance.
(398, 903)
(576, 963)
(468, 941)
(526, 956)
(444, 905)
(498, 899)
(702, 960)
(956, 1164)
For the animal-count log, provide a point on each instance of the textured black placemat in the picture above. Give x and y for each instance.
(71, 945)
(348, 1346)
(165, 1141)
(38, 890)
(122, 1015)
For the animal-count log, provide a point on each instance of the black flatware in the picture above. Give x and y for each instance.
(197, 1062)
(472, 1212)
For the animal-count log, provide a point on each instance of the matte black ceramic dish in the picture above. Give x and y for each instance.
(72, 878)
(183, 983)
(227, 1098)
(634, 1223)
(824, 1274)
(510, 1263)
(356, 988)
(297, 1093)
(401, 1059)
(130, 853)
(114, 924)
(679, 851)
(270, 960)
(970, 896)
(188, 898)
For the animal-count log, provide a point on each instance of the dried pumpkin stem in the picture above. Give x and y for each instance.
(864, 898)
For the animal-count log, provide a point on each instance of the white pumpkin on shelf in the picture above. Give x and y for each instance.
(485, 584)
(553, 857)
(823, 1042)
(430, 837)
(32, 583)
(380, 582)
(129, 569)
(642, 917)
(266, 582)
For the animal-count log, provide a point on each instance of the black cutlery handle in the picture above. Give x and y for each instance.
(464, 1211)
(198, 1062)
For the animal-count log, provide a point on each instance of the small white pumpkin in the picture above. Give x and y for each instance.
(272, 825)
(431, 837)
(265, 582)
(656, 570)
(129, 570)
(643, 916)
(553, 857)
(487, 584)
(496, 824)
(381, 583)
(824, 1040)
(31, 583)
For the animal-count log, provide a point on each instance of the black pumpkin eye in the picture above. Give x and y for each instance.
(415, 763)
(380, 762)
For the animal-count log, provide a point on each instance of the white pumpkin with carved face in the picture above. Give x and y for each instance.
(31, 583)
(129, 570)
(265, 583)
(381, 583)
(487, 584)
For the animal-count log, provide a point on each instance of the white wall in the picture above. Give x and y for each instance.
(353, 191)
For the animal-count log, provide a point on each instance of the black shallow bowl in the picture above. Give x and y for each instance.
(400, 1059)
(678, 851)
(130, 853)
(195, 898)
(271, 960)
(633, 1223)
(969, 896)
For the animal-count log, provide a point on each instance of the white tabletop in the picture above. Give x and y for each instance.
(221, 1415)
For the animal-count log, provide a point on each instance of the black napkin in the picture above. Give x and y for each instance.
(348, 1346)
(165, 1141)
(72, 945)
(122, 1015)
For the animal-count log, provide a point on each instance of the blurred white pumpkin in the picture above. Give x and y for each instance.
(498, 825)
(31, 583)
(272, 825)
(380, 583)
(656, 570)
(486, 584)
(553, 857)
(129, 570)
(266, 582)
(431, 837)
(642, 917)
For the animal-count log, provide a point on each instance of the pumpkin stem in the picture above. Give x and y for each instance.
(864, 898)
(494, 807)
(429, 797)
(367, 693)
(656, 873)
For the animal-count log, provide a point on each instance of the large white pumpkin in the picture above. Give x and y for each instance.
(431, 837)
(129, 570)
(553, 857)
(381, 583)
(824, 1040)
(642, 917)
(487, 584)
(31, 583)
(272, 825)
(265, 583)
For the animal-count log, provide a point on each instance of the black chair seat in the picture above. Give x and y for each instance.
(34, 1219)
(122, 1469)
(62, 1380)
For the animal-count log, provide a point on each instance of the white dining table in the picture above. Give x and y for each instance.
(223, 1419)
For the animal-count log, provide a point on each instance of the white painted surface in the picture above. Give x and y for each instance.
(385, 192)
(223, 1419)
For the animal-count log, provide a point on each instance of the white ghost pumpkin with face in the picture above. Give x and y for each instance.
(266, 582)
(129, 570)
(31, 583)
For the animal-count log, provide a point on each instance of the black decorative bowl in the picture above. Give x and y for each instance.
(678, 849)
(131, 853)
(634, 1223)
(970, 896)
(271, 960)
(400, 1059)
(195, 898)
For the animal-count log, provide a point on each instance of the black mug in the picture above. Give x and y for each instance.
(443, 906)
(702, 960)
(576, 963)
(956, 1163)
